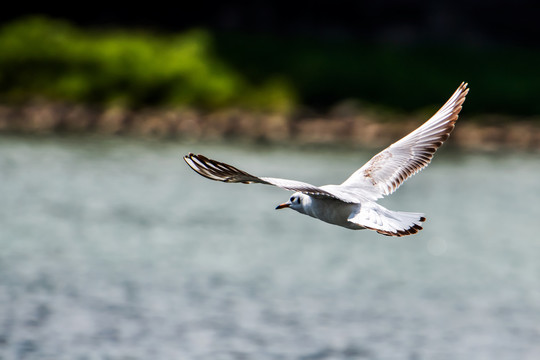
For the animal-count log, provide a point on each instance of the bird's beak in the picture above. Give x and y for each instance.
(283, 206)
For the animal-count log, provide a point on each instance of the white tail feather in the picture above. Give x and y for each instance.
(392, 223)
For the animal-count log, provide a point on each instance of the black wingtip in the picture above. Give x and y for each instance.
(189, 157)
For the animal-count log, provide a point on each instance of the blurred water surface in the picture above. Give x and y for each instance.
(115, 249)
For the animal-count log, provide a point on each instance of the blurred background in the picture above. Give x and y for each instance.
(271, 71)
(112, 248)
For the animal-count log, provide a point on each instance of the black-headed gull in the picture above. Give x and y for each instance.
(353, 203)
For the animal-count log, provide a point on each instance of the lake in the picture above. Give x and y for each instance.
(112, 248)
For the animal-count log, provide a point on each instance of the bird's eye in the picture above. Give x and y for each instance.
(292, 199)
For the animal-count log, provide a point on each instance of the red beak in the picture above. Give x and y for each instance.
(283, 206)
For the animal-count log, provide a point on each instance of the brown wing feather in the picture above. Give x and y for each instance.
(218, 171)
(387, 170)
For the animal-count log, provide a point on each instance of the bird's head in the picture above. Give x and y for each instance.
(295, 202)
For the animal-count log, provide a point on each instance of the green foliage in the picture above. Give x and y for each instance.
(50, 58)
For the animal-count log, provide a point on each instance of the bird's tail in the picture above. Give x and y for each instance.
(387, 222)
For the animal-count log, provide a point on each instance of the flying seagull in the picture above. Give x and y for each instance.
(353, 203)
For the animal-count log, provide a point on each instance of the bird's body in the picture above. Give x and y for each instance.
(352, 204)
(328, 210)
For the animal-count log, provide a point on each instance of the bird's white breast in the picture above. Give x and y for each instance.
(331, 211)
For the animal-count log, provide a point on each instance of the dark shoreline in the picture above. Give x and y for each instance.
(342, 129)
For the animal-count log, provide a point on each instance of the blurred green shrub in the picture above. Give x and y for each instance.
(43, 57)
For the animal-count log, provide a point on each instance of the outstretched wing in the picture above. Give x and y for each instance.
(218, 171)
(387, 170)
